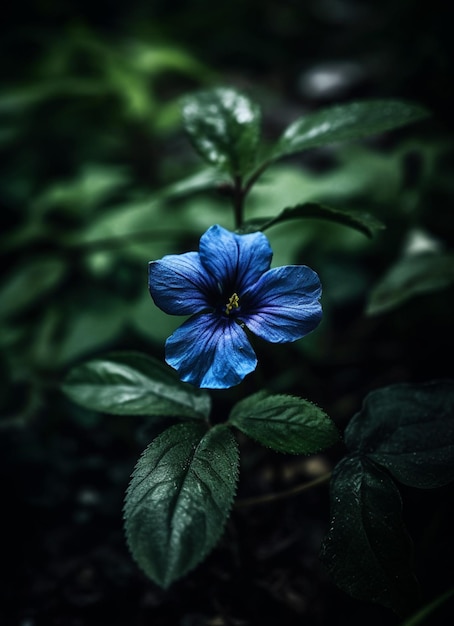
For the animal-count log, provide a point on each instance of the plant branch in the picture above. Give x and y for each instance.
(272, 497)
(238, 201)
(255, 176)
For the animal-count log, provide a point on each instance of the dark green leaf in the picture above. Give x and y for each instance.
(92, 186)
(208, 178)
(88, 330)
(179, 499)
(367, 549)
(345, 122)
(409, 429)
(364, 222)
(224, 127)
(151, 321)
(128, 383)
(18, 100)
(28, 283)
(412, 275)
(284, 423)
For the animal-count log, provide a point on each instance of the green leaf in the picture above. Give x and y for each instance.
(88, 330)
(136, 225)
(363, 222)
(208, 178)
(150, 321)
(179, 499)
(28, 283)
(284, 423)
(412, 275)
(224, 127)
(346, 122)
(409, 429)
(367, 550)
(128, 383)
(93, 185)
(154, 59)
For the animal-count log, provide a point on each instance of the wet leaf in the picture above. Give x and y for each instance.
(179, 499)
(224, 127)
(284, 423)
(129, 383)
(367, 550)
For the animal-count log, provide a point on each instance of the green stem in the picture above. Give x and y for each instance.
(425, 611)
(240, 192)
(255, 176)
(272, 497)
(238, 202)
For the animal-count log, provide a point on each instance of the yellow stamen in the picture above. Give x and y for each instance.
(233, 303)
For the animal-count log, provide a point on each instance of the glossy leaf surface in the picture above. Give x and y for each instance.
(179, 499)
(363, 222)
(346, 122)
(128, 383)
(224, 127)
(284, 423)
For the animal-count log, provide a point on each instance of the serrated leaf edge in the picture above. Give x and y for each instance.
(167, 582)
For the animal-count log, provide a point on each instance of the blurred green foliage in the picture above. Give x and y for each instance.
(94, 152)
(81, 137)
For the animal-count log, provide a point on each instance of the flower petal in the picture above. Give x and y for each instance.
(210, 352)
(235, 261)
(283, 306)
(179, 284)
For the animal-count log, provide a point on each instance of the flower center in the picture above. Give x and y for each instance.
(233, 303)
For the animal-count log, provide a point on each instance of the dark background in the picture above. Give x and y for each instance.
(90, 130)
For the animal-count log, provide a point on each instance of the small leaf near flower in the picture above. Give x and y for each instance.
(362, 222)
(130, 383)
(224, 127)
(284, 423)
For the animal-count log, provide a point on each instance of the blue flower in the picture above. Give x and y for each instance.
(226, 286)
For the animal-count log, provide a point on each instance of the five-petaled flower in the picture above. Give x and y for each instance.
(226, 286)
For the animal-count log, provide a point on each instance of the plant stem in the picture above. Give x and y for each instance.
(272, 497)
(238, 202)
(425, 611)
(240, 192)
(255, 176)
